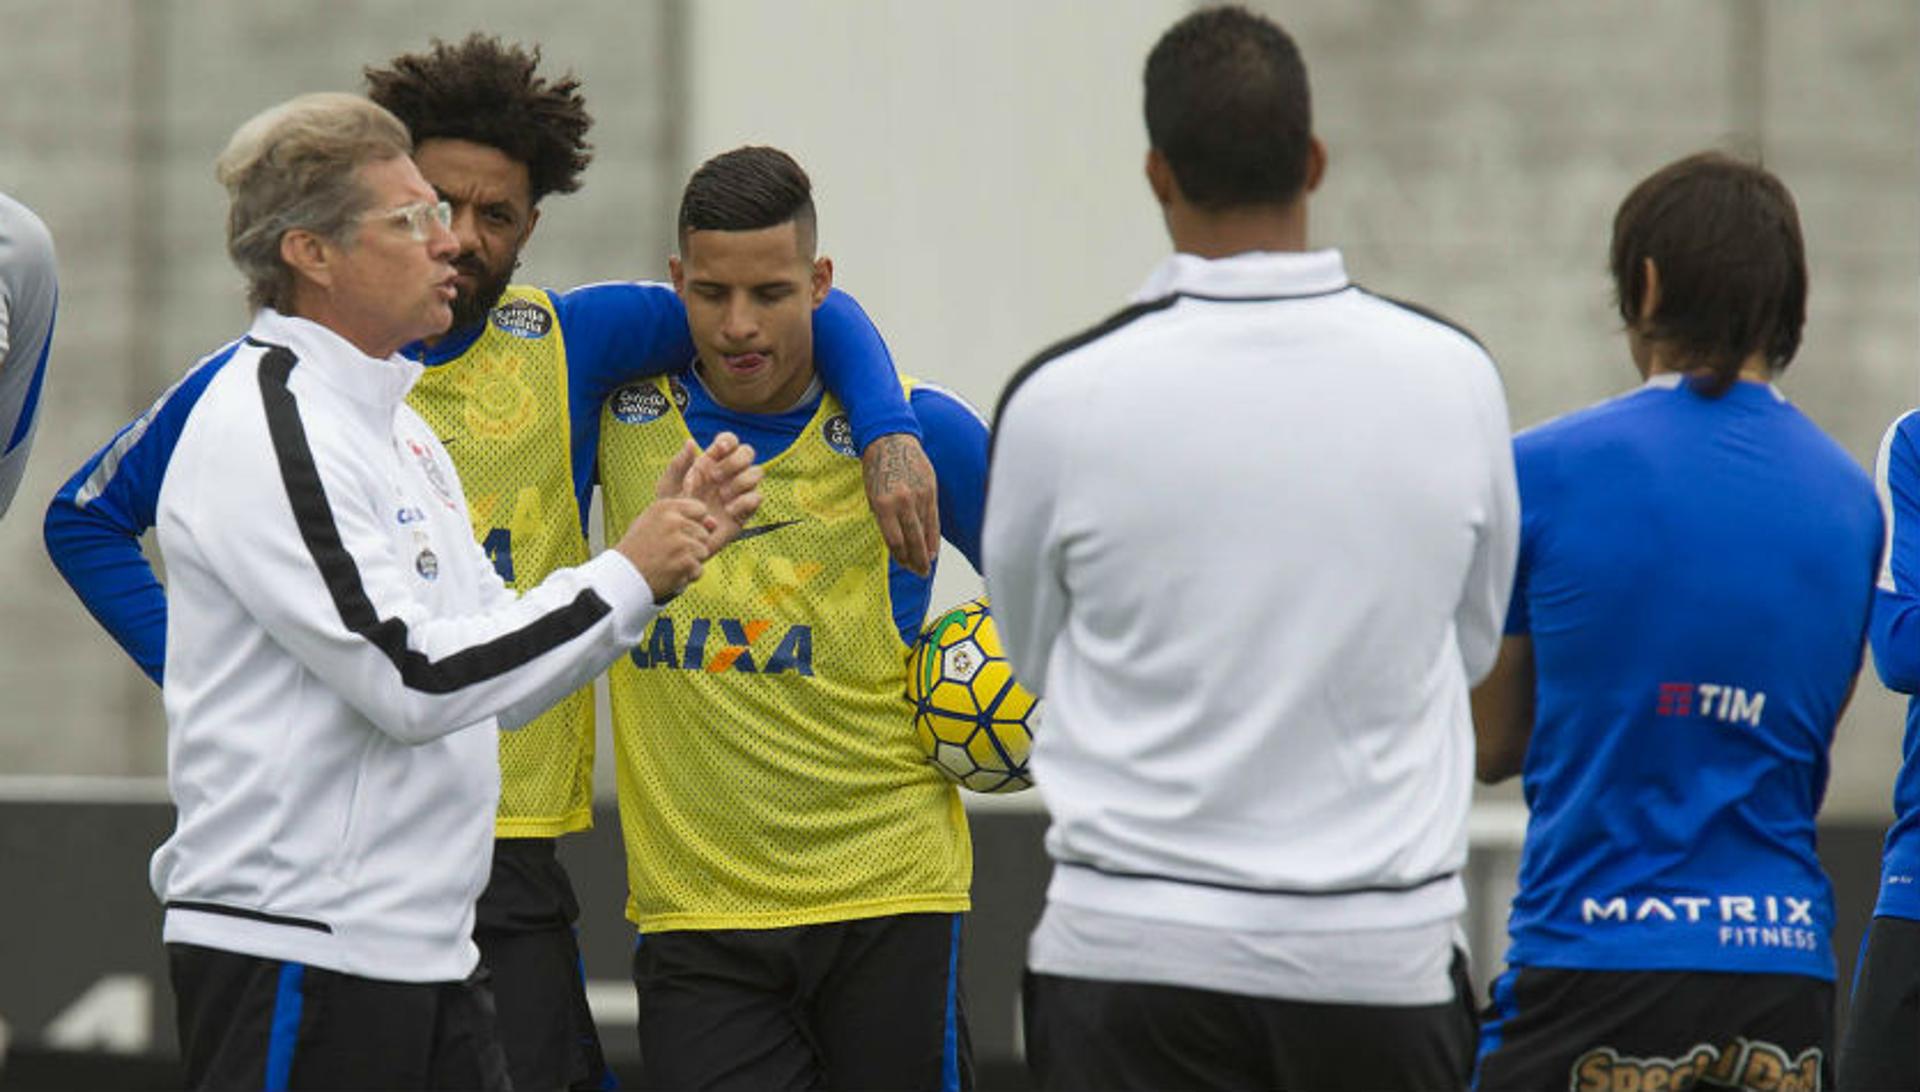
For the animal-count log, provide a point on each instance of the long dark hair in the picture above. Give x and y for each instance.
(1724, 238)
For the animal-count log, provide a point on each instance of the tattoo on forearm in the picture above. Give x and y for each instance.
(897, 467)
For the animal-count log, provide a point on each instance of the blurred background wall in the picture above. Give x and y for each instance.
(978, 171)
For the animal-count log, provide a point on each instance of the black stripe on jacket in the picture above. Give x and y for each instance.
(1061, 348)
(1292, 892)
(249, 914)
(1431, 316)
(314, 516)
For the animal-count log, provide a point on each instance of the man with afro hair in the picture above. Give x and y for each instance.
(514, 389)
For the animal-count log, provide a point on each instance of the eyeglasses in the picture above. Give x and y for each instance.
(417, 218)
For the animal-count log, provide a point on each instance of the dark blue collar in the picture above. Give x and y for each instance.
(453, 345)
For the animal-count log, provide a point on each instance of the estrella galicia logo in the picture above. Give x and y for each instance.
(838, 434)
(729, 649)
(522, 319)
(679, 392)
(638, 404)
(427, 565)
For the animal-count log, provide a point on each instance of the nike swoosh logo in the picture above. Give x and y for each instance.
(763, 528)
(448, 441)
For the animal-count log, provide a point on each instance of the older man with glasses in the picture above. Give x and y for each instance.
(513, 388)
(340, 649)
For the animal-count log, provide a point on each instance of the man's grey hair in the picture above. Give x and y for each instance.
(293, 166)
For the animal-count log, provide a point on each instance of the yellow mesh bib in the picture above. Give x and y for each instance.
(501, 409)
(767, 764)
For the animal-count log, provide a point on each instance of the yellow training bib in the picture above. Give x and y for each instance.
(767, 765)
(501, 410)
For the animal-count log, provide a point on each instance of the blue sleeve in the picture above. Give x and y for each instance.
(956, 437)
(855, 365)
(615, 333)
(94, 524)
(1894, 631)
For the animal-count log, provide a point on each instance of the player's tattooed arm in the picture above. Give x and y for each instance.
(1503, 711)
(905, 497)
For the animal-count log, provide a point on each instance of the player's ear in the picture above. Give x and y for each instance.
(677, 273)
(309, 255)
(1316, 164)
(533, 221)
(1160, 177)
(822, 279)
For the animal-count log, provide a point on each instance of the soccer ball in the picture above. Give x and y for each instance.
(975, 723)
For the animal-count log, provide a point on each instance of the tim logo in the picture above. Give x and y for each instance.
(637, 405)
(714, 645)
(522, 319)
(1715, 701)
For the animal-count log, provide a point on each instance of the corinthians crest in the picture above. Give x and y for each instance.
(497, 401)
(436, 475)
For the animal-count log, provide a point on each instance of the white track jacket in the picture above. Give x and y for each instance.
(1252, 539)
(339, 652)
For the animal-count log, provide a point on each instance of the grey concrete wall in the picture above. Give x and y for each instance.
(979, 190)
(111, 112)
(1478, 150)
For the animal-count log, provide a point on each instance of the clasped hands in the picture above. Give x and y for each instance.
(700, 503)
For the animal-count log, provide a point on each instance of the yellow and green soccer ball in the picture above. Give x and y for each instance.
(975, 723)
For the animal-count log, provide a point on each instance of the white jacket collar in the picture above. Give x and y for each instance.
(334, 360)
(1255, 275)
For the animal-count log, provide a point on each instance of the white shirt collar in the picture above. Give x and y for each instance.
(1253, 275)
(336, 362)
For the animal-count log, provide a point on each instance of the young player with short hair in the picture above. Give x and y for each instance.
(798, 870)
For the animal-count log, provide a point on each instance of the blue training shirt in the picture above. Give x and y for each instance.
(1895, 634)
(615, 333)
(1695, 574)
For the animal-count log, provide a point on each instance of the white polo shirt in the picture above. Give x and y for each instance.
(1253, 539)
